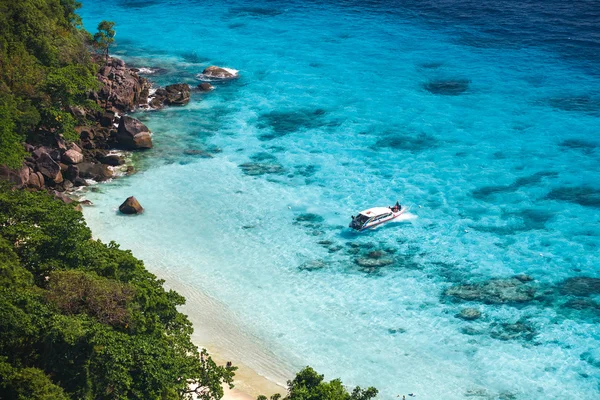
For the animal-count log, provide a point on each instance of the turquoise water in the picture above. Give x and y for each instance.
(341, 106)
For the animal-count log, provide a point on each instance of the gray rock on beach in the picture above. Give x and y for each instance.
(131, 206)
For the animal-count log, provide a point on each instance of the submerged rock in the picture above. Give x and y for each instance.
(313, 265)
(260, 168)
(495, 291)
(580, 286)
(205, 87)
(582, 195)
(366, 262)
(131, 206)
(452, 87)
(309, 217)
(469, 314)
(177, 94)
(518, 330)
(220, 72)
(197, 152)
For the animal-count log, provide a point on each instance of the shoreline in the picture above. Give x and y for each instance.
(260, 372)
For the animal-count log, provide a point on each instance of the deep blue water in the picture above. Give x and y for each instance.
(483, 117)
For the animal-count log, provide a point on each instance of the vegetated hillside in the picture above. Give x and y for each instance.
(81, 319)
(45, 68)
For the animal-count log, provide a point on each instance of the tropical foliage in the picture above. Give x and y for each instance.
(80, 319)
(309, 385)
(45, 68)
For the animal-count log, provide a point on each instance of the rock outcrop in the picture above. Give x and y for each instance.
(97, 172)
(72, 157)
(178, 94)
(205, 87)
(214, 72)
(133, 134)
(122, 88)
(131, 206)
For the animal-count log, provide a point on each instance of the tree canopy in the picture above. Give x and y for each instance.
(309, 385)
(45, 68)
(81, 319)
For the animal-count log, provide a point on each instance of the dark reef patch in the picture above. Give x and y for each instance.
(259, 157)
(494, 291)
(450, 87)
(520, 330)
(254, 12)
(431, 65)
(310, 218)
(194, 58)
(583, 195)
(306, 170)
(586, 104)
(580, 286)
(485, 192)
(412, 143)
(579, 144)
(283, 123)
(138, 3)
(261, 168)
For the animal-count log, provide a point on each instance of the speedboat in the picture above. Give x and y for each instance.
(376, 216)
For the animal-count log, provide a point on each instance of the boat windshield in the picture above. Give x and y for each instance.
(361, 219)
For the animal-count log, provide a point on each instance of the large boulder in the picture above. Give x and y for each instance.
(48, 167)
(72, 157)
(205, 87)
(131, 206)
(214, 72)
(178, 94)
(36, 180)
(97, 172)
(132, 134)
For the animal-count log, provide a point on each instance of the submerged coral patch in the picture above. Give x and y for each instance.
(522, 330)
(254, 12)
(583, 195)
(494, 291)
(309, 217)
(450, 87)
(579, 144)
(580, 286)
(281, 123)
(413, 143)
(585, 103)
(261, 168)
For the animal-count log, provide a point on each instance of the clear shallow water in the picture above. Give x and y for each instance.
(344, 104)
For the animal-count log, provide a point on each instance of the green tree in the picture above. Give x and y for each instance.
(309, 385)
(104, 37)
(88, 314)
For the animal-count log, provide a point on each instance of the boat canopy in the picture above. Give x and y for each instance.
(376, 211)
